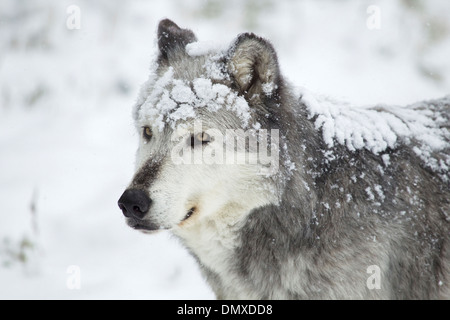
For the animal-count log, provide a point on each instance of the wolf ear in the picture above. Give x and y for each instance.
(172, 40)
(253, 63)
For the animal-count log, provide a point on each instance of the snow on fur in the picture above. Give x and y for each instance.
(382, 127)
(167, 100)
(201, 48)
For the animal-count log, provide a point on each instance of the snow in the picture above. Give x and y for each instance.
(269, 88)
(372, 128)
(173, 99)
(201, 48)
(68, 141)
(386, 160)
(381, 127)
(370, 195)
(379, 191)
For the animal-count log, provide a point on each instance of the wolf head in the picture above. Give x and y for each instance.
(206, 131)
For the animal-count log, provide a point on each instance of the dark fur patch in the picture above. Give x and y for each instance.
(172, 39)
(146, 174)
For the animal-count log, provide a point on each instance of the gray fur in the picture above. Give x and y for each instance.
(317, 242)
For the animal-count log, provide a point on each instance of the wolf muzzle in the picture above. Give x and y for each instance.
(135, 205)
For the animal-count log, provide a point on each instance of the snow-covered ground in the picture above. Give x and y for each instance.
(67, 140)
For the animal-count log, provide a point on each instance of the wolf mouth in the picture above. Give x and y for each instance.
(146, 226)
(137, 225)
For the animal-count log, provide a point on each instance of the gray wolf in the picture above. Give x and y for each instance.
(353, 203)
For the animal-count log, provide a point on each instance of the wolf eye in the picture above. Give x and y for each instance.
(147, 133)
(200, 138)
(203, 137)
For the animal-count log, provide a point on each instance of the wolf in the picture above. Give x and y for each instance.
(354, 203)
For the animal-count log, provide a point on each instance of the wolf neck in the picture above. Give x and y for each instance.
(220, 243)
(213, 240)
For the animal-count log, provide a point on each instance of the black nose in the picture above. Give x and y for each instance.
(134, 203)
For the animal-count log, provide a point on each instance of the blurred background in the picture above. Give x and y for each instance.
(70, 72)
